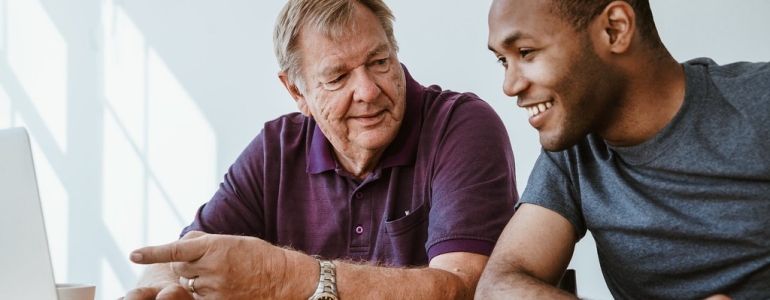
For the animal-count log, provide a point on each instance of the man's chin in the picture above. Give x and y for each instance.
(554, 149)
(553, 143)
(372, 143)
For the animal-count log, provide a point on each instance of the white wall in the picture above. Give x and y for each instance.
(137, 108)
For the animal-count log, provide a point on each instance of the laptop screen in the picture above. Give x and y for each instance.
(25, 263)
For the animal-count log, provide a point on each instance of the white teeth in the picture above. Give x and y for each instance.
(535, 110)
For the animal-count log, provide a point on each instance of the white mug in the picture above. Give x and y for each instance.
(75, 291)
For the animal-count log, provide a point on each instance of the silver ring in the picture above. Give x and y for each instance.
(191, 283)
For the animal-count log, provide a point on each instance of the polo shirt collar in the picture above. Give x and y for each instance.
(401, 152)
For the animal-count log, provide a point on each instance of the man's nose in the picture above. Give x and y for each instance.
(366, 88)
(514, 83)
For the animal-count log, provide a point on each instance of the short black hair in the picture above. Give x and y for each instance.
(581, 12)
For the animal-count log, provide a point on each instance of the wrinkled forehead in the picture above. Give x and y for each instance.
(333, 47)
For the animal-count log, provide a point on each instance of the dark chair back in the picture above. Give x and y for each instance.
(568, 282)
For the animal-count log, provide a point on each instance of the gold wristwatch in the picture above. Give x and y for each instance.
(327, 285)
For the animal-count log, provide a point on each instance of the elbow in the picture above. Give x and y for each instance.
(500, 284)
(485, 289)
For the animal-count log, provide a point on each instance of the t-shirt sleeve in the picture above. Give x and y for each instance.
(550, 186)
(235, 208)
(474, 186)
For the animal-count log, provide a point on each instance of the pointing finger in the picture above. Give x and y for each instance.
(179, 251)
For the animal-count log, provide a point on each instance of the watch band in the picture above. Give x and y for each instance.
(327, 284)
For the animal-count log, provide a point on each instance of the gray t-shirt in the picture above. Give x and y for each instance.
(685, 214)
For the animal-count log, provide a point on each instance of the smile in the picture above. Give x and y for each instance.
(372, 115)
(537, 109)
(369, 119)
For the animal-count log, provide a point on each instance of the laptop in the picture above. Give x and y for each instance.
(25, 262)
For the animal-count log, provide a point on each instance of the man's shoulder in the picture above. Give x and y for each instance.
(446, 96)
(592, 148)
(741, 69)
(438, 102)
(739, 81)
(292, 130)
(294, 118)
(291, 123)
(744, 87)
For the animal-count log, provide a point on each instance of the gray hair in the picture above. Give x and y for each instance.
(328, 17)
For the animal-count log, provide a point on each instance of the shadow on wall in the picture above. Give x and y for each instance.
(135, 109)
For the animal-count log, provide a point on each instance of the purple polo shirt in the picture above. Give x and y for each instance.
(445, 184)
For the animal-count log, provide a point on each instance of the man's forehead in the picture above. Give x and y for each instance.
(334, 64)
(334, 48)
(513, 20)
(517, 10)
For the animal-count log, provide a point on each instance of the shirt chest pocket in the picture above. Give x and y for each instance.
(408, 236)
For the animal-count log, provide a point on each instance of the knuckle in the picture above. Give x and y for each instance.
(175, 251)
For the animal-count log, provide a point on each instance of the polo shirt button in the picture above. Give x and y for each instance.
(359, 195)
(360, 229)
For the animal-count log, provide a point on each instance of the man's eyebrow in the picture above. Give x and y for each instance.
(509, 40)
(381, 48)
(332, 70)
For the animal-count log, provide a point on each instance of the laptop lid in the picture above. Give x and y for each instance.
(25, 262)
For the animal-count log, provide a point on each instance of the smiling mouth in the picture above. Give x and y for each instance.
(369, 119)
(369, 116)
(534, 110)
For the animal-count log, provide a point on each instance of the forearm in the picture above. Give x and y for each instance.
(530, 257)
(371, 282)
(359, 281)
(510, 284)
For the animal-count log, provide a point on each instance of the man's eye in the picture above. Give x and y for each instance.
(525, 52)
(335, 84)
(502, 61)
(380, 65)
(336, 80)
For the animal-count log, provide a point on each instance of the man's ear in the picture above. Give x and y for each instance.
(619, 22)
(295, 93)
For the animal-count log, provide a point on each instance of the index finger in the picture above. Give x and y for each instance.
(179, 251)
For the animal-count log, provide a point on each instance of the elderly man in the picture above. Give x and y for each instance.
(381, 187)
(664, 162)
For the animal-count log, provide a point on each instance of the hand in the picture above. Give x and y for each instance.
(158, 282)
(171, 291)
(224, 266)
(718, 297)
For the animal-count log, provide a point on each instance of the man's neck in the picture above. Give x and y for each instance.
(358, 163)
(652, 96)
